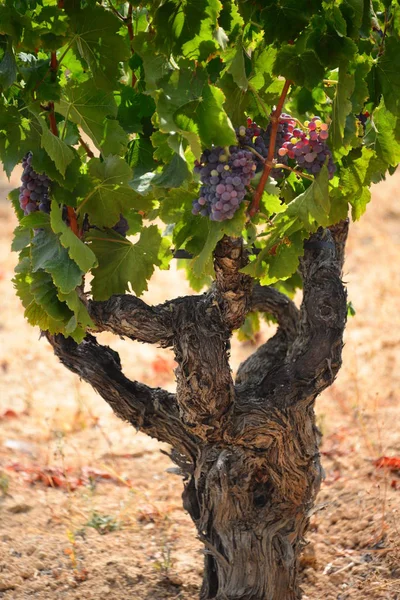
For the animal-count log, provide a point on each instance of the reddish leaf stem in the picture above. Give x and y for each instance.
(255, 205)
(86, 148)
(73, 223)
(52, 116)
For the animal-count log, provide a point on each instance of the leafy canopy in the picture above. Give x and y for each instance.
(116, 101)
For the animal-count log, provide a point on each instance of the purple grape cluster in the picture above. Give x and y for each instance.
(309, 149)
(34, 190)
(286, 126)
(225, 176)
(122, 226)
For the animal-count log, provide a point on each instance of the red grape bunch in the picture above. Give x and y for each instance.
(225, 174)
(34, 190)
(310, 149)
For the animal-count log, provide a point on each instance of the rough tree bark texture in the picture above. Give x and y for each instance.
(248, 449)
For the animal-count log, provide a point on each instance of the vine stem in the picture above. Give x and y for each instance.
(86, 148)
(268, 165)
(52, 115)
(131, 36)
(282, 166)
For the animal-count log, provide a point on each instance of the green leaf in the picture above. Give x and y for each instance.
(156, 66)
(17, 136)
(58, 150)
(313, 204)
(45, 294)
(342, 107)
(88, 106)
(34, 313)
(213, 123)
(175, 204)
(285, 261)
(81, 316)
(49, 255)
(355, 182)
(77, 250)
(388, 71)
(122, 263)
(94, 33)
(111, 194)
(360, 94)
(283, 21)
(186, 28)
(22, 238)
(303, 68)
(174, 174)
(194, 108)
(237, 69)
(134, 110)
(382, 135)
(35, 220)
(203, 263)
(8, 66)
(115, 139)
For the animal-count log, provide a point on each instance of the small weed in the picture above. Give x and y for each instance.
(4, 484)
(103, 523)
(165, 562)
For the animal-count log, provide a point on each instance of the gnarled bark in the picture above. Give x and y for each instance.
(248, 449)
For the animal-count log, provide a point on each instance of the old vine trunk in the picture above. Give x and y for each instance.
(248, 449)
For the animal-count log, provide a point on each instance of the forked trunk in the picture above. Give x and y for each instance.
(248, 448)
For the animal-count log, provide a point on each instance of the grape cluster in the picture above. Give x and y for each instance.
(122, 226)
(225, 174)
(34, 190)
(363, 118)
(260, 139)
(309, 149)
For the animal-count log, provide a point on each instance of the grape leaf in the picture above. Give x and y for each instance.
(134, 109)
(174, 174)
(45, 294)
(59, 152)
(312, 207)
(381, 136)
(237, 68)
(94, 33)
(21, 239)
(17, 136)
(203, 263)
(110, 194)
(49, 255)
(77, 250)
(186, 28)
(175, 203)
(388, 72)
(8, 66)
(122, 263)
(81, 316)
(285, 261)
(88, 106)
(34, 313)
(342, 106)
(156, 66)
(354, 182)
(303, 68)
(115, 140)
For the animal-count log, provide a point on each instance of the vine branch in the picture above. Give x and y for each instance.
(268, 166)
(86, 147)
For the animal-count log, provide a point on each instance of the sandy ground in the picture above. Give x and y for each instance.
(87, 507)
